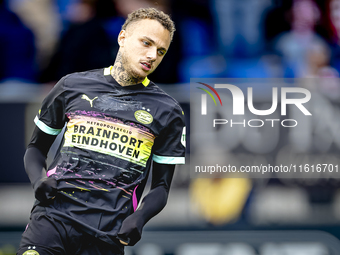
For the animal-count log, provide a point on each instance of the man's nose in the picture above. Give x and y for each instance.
(152, 54)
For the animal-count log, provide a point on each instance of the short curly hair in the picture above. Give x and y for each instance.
(151, 13)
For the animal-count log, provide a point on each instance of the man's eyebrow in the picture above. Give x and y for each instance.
(148, 38)
(152, 41)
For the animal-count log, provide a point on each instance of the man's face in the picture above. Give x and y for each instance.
(143, 45)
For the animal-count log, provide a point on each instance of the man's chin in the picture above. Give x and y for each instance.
(140, 76)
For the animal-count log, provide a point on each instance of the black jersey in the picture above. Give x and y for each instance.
(112, 135)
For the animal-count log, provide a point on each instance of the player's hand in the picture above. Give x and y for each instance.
(131, 231)
(45, 189)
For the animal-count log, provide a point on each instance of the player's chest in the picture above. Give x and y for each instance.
(138, 109)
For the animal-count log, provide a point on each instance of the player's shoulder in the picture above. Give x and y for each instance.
(163, 97)
(170, 113)
(83, 78)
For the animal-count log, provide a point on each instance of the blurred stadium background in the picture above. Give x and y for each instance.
(42, 40)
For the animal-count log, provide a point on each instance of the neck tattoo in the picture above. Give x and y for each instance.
(122, 76)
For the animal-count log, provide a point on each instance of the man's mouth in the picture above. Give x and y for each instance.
(146, 66)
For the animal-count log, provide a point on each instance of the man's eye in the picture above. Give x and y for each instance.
(146, 43)
(161, 52)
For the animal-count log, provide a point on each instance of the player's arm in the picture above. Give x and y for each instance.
(35, 165)
(49, 122)
(168, 151)
(152, 204)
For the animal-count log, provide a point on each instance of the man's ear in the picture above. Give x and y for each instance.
(121, 38)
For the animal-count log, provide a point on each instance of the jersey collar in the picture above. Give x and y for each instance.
(146, 82)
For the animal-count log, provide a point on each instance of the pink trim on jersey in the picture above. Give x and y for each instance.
(50, 172)
(134, 199)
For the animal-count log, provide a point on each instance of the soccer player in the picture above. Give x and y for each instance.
(118, 124)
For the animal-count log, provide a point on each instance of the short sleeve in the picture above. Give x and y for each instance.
(169, 147)
(51, 117)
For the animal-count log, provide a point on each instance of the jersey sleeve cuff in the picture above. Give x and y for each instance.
(168, 160)
(46, 129)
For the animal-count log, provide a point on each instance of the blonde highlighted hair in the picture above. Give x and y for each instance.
(151, 13)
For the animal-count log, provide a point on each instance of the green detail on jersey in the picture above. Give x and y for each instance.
(143, 117)
(31, 252)
(168, 160)
(43, 127)
(146, 82)
(183, 137)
